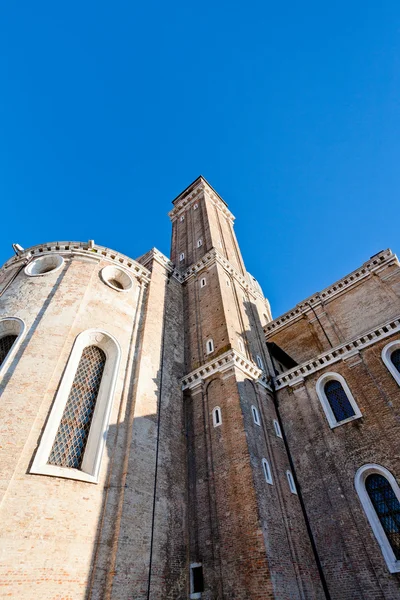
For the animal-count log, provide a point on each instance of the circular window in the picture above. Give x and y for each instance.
(44, 264)
(116, 278)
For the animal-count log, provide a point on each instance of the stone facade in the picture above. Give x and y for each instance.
(258, 501)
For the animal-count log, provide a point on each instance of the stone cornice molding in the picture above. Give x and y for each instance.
(376, 264)
(188, 197)
(344, 352)
(228, 360)
(87, 249)
(159, 257)
(213, 257)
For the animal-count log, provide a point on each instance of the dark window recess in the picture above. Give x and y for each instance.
(73, 431)
(116, 284)
(395, 358)
(217, 417)
(6, 343)
(198, 581)
(387, 508)
(339, 402)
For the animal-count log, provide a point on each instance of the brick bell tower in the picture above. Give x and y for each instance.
(247, 533)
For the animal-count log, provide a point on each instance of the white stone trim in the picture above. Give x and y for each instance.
(386, 357)
(203, 282)
(11, 326)
(98, 429)
(336, 354)
(320, 385)
(267, 471)
(210, 346)
(217, 411)
(277, 428)
(224, 362)
(359, 482)
(375, 264)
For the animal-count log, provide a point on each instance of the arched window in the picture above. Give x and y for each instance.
(267, 471)
(277, 429)
(73, 440)
(379, 494)
(11, 332)
(336, 399)
(256, 416)
(217, 416)
(391, 358)
(260, 362)
(70, 442)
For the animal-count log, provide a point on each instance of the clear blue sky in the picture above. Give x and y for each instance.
(291, 110)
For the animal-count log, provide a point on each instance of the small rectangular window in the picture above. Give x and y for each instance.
(199, 243)
(291, 482)
(277, 429)
(203, 282)
(182, 218)
(195, 207)
(182, 256)
(196, 580)
(260, 362)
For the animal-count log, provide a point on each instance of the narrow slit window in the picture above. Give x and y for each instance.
(182, 256)
(277, 429)
(199, 243)
(182, 218)
(291, 483)
(260, 362)
(267, 471)
(203, 282)
(70, 442)
(256, 416)
(196, 580)
(210, 346)
(217, 416)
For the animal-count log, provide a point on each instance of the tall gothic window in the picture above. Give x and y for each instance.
(6, 343)
(338, 400)
(387, 508)
(379, 495)
(70, 442)
(75, 433)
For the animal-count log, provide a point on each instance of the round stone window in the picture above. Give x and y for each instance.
(116, 278)
(44, 265)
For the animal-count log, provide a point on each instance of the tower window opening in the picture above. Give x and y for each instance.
(203, 282)
(182, 218)
(391, 358)
(182, 256)
(256, 416)
(210, 346)
(260, 362)
(291, 483)
(277, 429)
(196, 580)
(199, 243)
(336, 399)
(267, 471)
(217, 416)
(196, 206)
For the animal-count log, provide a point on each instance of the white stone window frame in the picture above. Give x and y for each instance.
(267, 471)
(217, 416)
(277, 427)
(182, 256)
(203, 282)
(260, 362)
(94, 449)
(292, 485)
(320, 385)
(199, 243)
(194, 595)
(11, 326)
(256, 415)
(359, 481)
(182, 218)
(195, 206)
(209, 346)
(387, 359)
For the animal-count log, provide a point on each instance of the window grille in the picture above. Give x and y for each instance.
(395, 358)
(338, 400)
(69, 445)
(291, 483)
(387, 508)
(6, 343)
(203, 282)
